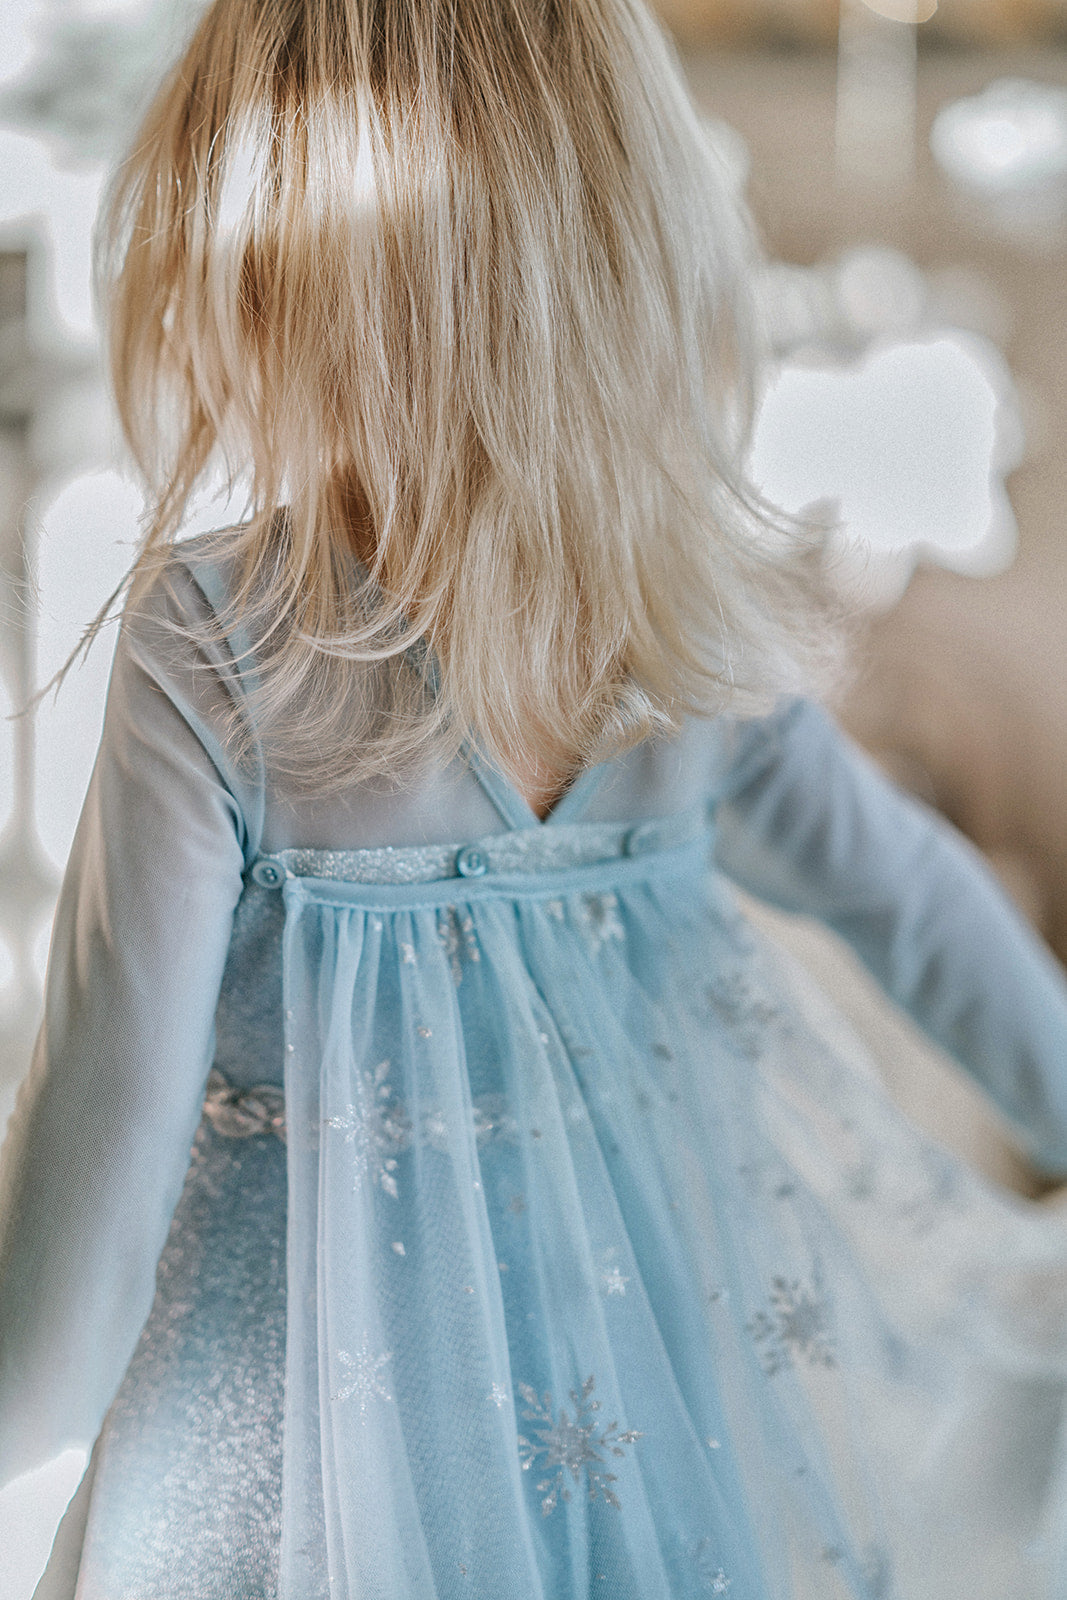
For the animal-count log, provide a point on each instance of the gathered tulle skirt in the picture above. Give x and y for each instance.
(596, 1263)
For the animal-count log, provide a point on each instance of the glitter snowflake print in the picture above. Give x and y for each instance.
(612, 1280)
(796, 1325)
(364, 1377)
(737, 1004)
(713, 1579)
(600, 920)
(490, 1119)
(580, 1447)
(493, 1120)
(458, 940)
(376, 1129)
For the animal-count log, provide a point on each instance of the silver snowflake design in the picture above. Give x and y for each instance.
(578, 1446)
(434, 1129)
(599, 915)
(458, 940)
(797, 1324)
(499, 1394)
(490, 1118)
(377, 1129)
(613, 1282)
(365, 1377)
(712, 1577)
(493, 1121)
(737, 1003)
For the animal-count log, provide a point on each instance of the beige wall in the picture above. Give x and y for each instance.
(815, 21)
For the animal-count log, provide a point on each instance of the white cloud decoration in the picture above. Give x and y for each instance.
(911, 441)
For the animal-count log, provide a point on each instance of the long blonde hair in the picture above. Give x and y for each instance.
(461, 288)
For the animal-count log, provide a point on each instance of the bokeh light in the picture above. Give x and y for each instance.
(908, 443)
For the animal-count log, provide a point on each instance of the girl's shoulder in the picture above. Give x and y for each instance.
(178, 618)
(187, 580)
(210, 562)
(178, 638)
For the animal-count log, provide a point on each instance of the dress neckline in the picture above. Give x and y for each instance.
(514, 807)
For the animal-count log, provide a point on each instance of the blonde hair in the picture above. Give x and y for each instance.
(462, 289)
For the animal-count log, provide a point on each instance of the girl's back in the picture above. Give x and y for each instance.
(545, 1236)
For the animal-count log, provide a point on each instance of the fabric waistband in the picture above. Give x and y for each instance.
(546, 849)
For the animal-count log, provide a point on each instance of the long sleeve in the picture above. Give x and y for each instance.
(99, 1142)
(809, 824)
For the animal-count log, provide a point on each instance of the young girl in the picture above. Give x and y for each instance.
(544, 1237)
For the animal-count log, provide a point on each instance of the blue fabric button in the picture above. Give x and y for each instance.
(471, 863)
(640, 838)
(268, 874)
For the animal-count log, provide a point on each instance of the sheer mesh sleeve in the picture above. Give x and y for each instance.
(99, 1142)
(809, 824)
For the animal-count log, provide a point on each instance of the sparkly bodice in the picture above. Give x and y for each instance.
(519, 851)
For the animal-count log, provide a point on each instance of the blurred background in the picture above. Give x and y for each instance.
(906, 162)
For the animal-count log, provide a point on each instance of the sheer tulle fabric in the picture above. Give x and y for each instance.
(611, 1269)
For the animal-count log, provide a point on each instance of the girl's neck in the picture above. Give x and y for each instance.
(539, 787)
(538, 784)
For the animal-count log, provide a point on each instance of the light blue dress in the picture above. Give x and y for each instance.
(545, 1237)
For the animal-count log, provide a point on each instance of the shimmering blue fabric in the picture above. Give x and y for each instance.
(489, 1150)
(546, 1235)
